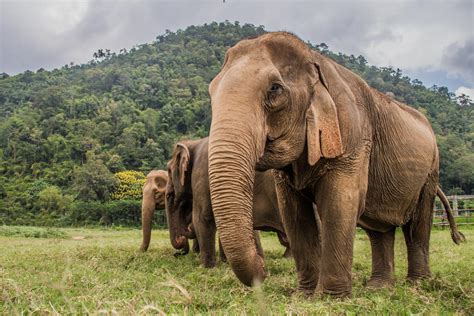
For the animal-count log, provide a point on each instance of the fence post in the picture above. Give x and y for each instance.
(455, 206)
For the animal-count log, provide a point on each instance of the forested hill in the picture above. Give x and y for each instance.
(124, 111)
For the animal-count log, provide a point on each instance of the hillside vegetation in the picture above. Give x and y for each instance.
(65, 133)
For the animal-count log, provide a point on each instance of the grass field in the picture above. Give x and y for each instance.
(100, 271)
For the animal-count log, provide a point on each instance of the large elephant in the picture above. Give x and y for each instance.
(188, 200)
(359, 155)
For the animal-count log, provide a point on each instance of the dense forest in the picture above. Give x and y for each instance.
(75, 142)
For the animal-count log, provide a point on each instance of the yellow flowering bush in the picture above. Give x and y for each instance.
(130, 185)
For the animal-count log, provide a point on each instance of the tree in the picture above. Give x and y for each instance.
(52, 201)
(93, 181)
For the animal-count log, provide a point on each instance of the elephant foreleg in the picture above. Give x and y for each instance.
(302, 231)
(340, 199)
(382, 258)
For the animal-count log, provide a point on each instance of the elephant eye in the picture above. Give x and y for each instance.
(276, 88)
(274, 99)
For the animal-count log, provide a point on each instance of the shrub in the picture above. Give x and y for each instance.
(124, 212)
(130, 185)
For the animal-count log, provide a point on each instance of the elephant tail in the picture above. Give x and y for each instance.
(456, 235)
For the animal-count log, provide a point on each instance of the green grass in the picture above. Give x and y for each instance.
(100, 271)
(31, 232)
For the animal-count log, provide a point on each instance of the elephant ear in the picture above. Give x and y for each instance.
(182, 161)
(161, 181)
(323, 134)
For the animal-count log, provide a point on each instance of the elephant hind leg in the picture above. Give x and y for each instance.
(258, 244)
(417, 234)
(284, 242)
(195, 246)
(206, 238)
(383, 265)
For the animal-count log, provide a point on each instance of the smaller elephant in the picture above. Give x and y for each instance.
(188, 202)
(154, 191)
(153, 197)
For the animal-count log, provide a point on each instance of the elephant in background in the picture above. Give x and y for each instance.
(362, 157)
(188, 202)
(153, 197)
(154, 191)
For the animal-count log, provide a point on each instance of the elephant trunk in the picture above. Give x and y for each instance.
(177, 238)
(148, 209)
(176, 225)
(233, 152)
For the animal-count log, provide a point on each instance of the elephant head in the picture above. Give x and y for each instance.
(153, 197)
(179, 198)
(271, 107)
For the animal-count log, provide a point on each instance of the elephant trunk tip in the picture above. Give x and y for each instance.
(251, 276)
(179, 242)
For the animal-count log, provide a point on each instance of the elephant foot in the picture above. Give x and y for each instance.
(379, 283)
(338, 292)
(416, 277)
(209, 264)
(305, 292)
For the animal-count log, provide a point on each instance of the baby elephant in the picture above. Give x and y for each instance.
(188, 201)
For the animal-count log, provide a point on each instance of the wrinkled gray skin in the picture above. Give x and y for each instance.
(188, 199)
(360, 156)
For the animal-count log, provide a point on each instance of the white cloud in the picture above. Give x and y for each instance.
(467, 91)
(459, 59)
(412, 35)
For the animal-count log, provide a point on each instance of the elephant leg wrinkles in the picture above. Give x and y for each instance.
(340, 199)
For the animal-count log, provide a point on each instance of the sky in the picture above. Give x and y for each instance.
(432, 41)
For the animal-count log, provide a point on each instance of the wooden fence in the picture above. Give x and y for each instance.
(462, 216)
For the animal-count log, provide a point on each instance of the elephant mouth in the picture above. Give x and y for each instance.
(183, 235)
(189, 232)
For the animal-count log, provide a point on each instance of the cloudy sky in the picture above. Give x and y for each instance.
(429, 40)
